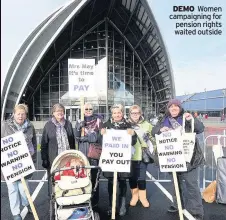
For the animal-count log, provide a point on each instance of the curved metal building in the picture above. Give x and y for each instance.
(124, 32)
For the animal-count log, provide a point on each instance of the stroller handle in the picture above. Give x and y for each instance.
(72, 167)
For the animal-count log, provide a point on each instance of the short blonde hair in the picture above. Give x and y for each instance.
(20, 107)
(136, 107)
(119, 106)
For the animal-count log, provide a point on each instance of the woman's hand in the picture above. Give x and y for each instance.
(164, 129)
(130, 131)
(103, 131)
(188, 116)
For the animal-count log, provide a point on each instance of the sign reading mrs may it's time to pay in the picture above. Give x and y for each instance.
(16, 161)
(81, 77)
(116, 151)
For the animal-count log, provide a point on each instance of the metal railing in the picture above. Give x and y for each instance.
(206, 174)
(214, 146)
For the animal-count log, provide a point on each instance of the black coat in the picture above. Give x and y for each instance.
(49, 146)
(198, 157)
(126, 125)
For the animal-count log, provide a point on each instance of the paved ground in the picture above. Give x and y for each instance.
(157, 211)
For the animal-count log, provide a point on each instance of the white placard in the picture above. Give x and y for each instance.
(170, 151)
(188, 145)
(16, 161)
(85, 79)
(116, 151)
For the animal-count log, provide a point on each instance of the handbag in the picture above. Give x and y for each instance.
(146, 156)
(94, 152)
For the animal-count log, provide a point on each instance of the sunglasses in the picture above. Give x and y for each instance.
(88, 109)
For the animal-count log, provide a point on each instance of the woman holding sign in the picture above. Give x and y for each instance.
(19, 122)
(191, 197)
(91, 125)
(118, 122)
(138, 169)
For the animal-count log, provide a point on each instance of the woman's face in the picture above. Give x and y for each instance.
(59, 114)
(88, 110)
(117, 115)
(174, 110)
(135, 115)
(20, 116)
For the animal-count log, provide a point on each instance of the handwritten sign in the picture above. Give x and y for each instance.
(171, 152)
(116, 151)
(16, 161)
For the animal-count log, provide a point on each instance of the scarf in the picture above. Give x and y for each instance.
(122, 125)
(27, 135)
(92, 124)
(173, 123)
(61, 135)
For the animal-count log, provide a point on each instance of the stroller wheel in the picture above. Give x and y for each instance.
(51, 210)
(96, 216)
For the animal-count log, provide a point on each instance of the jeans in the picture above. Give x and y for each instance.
(17, 196)
(190, 193)
(138, 175)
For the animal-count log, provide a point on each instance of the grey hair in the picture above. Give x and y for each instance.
(56, 106)
(88, 103)
(119, 106)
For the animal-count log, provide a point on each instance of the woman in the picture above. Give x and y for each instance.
(119, 123)
(19, 122)
(191, 197)
(91, 125)
(138, 169)
(57, 136)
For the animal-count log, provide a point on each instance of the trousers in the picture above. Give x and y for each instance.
(122, 188)
(190, 193)
(17, 196)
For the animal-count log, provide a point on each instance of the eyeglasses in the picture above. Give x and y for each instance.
(88, 109)
(135, 113)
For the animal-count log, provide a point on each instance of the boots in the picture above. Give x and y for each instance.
(109, 211)
(143, 198)
(110, 192)
(122, 206)
(122, 197)
(135, 198)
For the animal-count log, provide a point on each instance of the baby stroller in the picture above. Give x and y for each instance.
(71, 187)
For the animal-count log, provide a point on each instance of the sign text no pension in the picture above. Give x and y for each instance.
(74, 70)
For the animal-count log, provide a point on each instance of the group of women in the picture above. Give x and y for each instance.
(58, 136)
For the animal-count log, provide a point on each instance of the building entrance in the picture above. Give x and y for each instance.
(72, 113)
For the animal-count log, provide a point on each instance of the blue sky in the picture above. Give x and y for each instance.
(198, 62)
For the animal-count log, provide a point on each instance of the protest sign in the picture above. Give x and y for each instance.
(81, 77)
(116, 151)
(170, 151)
(188, 140)
(16, 161)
